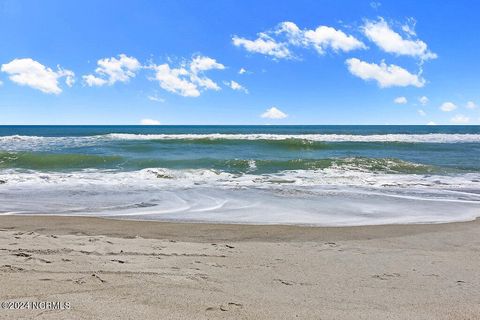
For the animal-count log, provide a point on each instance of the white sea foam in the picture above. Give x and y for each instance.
(330, 197)
(171, 178)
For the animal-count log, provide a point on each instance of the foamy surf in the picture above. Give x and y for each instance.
(329, 197)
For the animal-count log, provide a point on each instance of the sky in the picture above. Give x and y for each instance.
(239, 62)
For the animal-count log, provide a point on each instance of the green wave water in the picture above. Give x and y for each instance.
(62, 162)
(42, 161)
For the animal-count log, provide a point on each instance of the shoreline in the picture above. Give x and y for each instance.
(206, 232)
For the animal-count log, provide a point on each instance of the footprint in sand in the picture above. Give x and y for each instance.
(117, 260)
(22, 254)
(285, 282)
(10, 268)
(386, 276)
(84, 280)
(230, 306)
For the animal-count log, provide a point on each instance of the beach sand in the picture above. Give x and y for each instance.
(111, 269)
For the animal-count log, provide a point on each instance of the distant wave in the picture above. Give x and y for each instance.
(415, 138)
(294, 138)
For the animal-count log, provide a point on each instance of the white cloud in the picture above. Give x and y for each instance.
(471, 105)
(91, 80)
(294, 34)
(173, 80)
(28, 72)
(242, 71)
(111, 70)
(409, 27)
(400, 100)
(264, 44)
(201, 63)
(188, 79)
(325, 37)
(421, 112)
(423, 100)
(459, 118)
(448, 106)
(278, 42)
(385, 75)
(236, 86)
(149, 122)
(321, 39)
(155, 98)
(273, 113)
(390, 41)
(431, 123)
(68, 74)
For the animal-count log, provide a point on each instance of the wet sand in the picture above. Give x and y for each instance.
(112, 269)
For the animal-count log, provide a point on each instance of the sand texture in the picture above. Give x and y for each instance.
(110, 269)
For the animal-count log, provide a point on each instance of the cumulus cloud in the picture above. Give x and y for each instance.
(325, 37)
(28, 72)
(431, 123)
(187, 80)
(92, 81)
(385, 75)
(149, 122)
(264, 44)
(112, 70)
(321, 39)
(273, 113)
(448, 106)
(200, 63)
(380, 33)
(400, 100)
(423, 100)
(236, 86)
(175, 81)
(460, 119)
(279, 41)
(242, 71)
(421, 112)
(471, 105)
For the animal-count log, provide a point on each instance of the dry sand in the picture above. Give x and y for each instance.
(110, 269)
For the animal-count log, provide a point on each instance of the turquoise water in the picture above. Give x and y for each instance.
(233, 173)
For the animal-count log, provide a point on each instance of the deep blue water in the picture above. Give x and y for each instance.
(57, 131)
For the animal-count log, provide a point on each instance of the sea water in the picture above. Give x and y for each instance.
(307, 175)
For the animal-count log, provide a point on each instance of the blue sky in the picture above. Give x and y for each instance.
(305, 62)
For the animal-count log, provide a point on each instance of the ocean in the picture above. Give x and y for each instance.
(304, 175)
